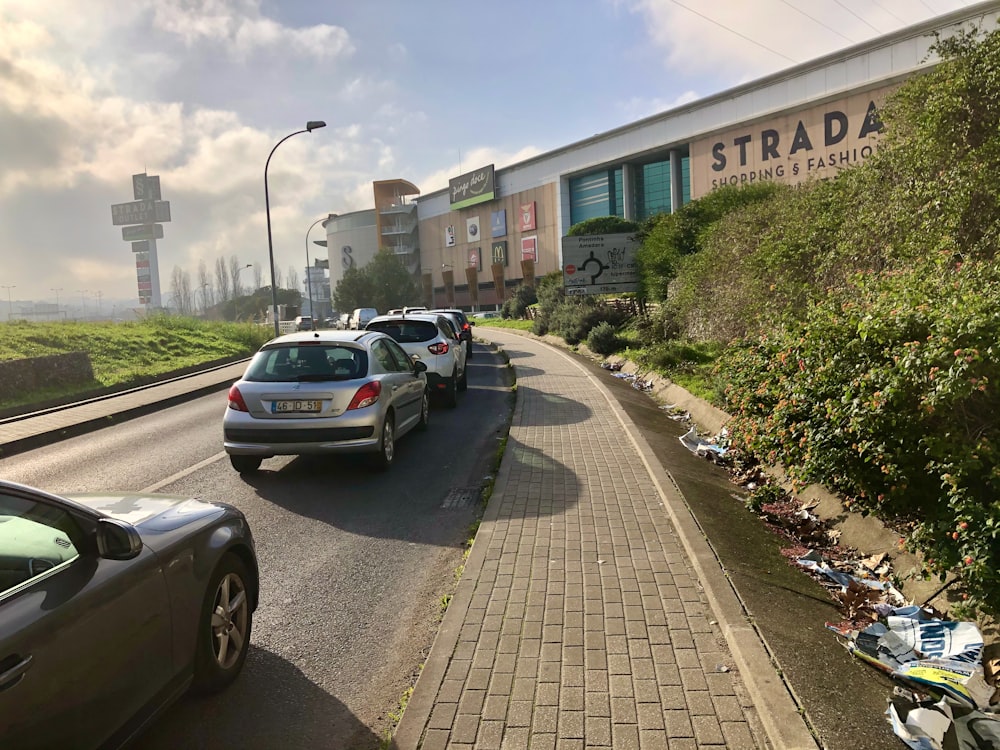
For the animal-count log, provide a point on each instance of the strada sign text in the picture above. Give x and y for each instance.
(817, 142)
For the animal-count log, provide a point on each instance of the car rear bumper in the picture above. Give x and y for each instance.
(264, 442)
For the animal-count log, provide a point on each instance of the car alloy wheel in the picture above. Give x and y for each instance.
(386, 445)
(224, 631)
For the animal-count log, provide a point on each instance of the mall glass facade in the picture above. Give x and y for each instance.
(596, 194)
(601, 193)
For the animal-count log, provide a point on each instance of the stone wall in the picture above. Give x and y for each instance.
(18, 376)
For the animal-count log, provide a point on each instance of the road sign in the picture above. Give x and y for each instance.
(600, 264)
(143, 232)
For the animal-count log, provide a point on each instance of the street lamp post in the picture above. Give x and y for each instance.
(310, 126)
(57, 300)
(236, 282)
(10, 303)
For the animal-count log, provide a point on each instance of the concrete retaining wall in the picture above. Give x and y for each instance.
(19, 376)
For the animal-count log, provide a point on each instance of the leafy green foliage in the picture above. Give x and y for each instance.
(603, 339)
(516, 306)
(668, 237)
(861, 312)
(603, 225)
(569, 317)
(384, 283)
(886, 392)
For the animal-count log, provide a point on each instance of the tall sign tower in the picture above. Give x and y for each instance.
(140, 222)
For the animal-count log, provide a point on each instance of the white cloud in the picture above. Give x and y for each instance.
(638, 108)
(239, 26)
(734, 38)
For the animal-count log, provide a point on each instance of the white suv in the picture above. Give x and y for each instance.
(431, 339)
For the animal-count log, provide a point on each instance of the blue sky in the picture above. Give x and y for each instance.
(199, 91)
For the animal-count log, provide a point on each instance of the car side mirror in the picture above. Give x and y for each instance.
(117, 540)
(419, 366)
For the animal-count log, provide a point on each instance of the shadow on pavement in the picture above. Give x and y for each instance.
(549, 410)
(271, 705)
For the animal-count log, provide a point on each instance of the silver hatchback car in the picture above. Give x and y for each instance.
(325, 392)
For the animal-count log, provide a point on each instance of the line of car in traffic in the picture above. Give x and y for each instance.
(347, 391)
(114, 606)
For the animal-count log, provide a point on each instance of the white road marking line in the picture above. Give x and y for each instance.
(181, 474)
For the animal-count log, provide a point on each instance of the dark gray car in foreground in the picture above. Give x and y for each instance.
(111, 607)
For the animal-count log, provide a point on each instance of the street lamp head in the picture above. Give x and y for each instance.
(314, 125)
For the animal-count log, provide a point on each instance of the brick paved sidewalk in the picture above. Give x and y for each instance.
(582, 618)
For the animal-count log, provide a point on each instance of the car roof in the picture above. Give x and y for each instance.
(325, 336)
(429, 317)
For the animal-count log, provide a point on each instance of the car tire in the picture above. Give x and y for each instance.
(450, 393)
(463, 382)
(386, 445)
(245, 464)
(425, 411)
(468, 351)
(224, 624)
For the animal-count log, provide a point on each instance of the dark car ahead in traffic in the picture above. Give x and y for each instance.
(462, 324)
(111, 607)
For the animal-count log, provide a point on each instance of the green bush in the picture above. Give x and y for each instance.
(603, 225)
(516, 306)
(603, 340)
(887, 393)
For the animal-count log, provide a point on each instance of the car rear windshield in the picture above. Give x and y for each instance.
(406, 331)
(308, 362)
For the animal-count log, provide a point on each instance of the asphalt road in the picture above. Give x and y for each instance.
(353, 563)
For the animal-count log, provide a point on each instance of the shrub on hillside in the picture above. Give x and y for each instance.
(603, 225)
(887, 393)
(603, 339)
(516, 306)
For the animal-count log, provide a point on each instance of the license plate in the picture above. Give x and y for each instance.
(288, 407)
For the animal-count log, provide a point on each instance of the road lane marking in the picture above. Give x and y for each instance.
(181, 474)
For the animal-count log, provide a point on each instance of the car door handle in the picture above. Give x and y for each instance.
(10, 677)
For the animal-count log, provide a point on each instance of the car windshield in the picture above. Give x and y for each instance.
(406, 331)
(314, 362)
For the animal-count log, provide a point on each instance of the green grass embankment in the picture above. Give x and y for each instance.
(127, 353)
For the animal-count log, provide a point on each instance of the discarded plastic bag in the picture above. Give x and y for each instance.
(942, 726)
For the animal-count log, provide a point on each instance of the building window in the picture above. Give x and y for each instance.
(596, 194)
(652, 189)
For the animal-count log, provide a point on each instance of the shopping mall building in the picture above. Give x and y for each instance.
(492, 228)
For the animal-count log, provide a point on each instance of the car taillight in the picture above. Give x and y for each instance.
(439, 348)
(236, 400)
(465, 326)
(366, 396)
